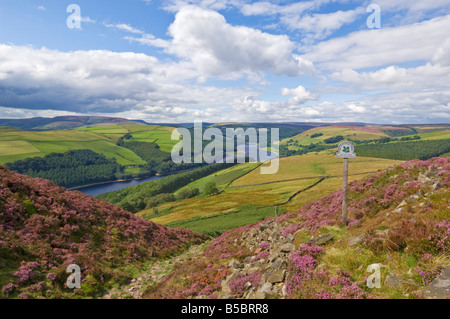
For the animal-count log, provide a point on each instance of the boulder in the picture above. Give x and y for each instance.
(321, 239)
(274, 275)
(287, 248)
(440, 287)
(356, 240)
(393, 281)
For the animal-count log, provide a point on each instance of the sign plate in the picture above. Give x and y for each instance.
(346, 150)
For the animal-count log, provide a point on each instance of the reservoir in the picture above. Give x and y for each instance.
(242, 150)
(98, 189)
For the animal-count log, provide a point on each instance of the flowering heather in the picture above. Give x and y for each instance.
(239, 284)
(44, 228)
(427, 276)
(424, 235)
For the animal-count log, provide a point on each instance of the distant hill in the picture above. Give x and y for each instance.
(66, 122)
(44, 228)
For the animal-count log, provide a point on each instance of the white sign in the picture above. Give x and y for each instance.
(346, 150)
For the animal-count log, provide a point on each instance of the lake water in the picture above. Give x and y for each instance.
(95, 190)
(114, 186)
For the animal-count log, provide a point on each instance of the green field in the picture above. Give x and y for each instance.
(216, 224)
(299, 180)
(158, 134)
(349, 133)
(221, 178)
(16, 145)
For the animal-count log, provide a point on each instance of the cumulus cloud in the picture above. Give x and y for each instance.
(374, 48)
(299, 95)
(103, 82)
(217, 48)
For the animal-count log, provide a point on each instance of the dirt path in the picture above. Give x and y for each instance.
(152, 275)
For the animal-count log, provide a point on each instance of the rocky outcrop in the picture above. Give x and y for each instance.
(270, 261)
(440, 287)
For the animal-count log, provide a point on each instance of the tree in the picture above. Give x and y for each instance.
(210, 188)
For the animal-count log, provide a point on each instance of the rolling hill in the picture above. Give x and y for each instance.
(65, 122)
(399, 222)
(247, 196)
(44, 228)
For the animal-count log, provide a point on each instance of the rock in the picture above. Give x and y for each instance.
(289, 239)
(321, 239)
(437, 185)
(412, 198)
(423, 178)
(266, 288)
(287, 248)
(356, 240)
(279, 263)
(382, 232)
(412, 282)
(440, 287)
(392, 282)
(234, 264)
(274, 275)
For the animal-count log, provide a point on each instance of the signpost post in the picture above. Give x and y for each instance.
(346, 150)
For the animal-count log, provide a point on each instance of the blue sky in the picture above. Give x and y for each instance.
(227, 60)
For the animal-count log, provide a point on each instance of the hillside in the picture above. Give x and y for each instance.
(247, 196)
(65, 122)
(44, 228)
(399, 219)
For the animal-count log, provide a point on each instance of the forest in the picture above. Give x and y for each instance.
(405, 150)
(73, 168)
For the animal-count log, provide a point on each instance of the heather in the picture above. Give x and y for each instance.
(398, 219)
(44, 228)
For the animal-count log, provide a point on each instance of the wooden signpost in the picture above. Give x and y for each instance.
(346, 150)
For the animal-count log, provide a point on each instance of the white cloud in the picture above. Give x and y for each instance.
(41, 8)
(82, 82)
(318, 26)
(124, 27)
(299, 95)
(385, 46)
(217, 48)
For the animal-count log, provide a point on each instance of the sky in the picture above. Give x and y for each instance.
(178, 61)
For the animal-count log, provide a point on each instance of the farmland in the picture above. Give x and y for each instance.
(17, 145)
(348, 133)
(299, 180)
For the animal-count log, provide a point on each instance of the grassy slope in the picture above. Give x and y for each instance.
(353, 133)
(409, 243)
(16, 144)
(242, 192)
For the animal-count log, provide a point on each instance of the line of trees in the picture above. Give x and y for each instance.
(405, 150)
(69, 169)
(139, 197)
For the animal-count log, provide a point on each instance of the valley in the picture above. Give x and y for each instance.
(226, 220)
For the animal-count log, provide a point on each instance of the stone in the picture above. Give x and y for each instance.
(321, 239)
(287, 248)
(392, 281)
(234, 264)
(274, 275)
(382, 232)
(423, 178)
(289, 239)
(266, 288)
(356, 240)
(440, 287)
